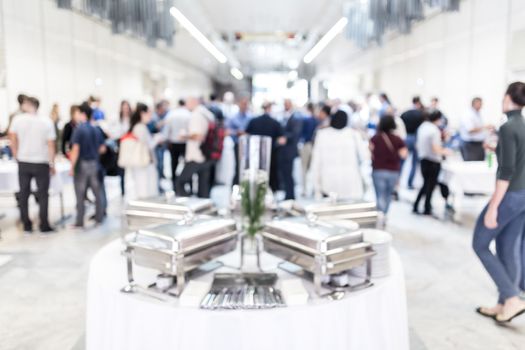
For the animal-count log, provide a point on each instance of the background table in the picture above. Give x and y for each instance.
(9, 181)
(468, 177)
(374, 318)
(9, 176)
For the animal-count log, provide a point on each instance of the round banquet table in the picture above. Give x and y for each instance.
(373, 318)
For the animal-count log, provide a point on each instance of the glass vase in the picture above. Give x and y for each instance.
(254, 170)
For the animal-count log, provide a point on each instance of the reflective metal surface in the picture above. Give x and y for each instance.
(319, 248)
(164, 209)
(243, 291)
(177, 248)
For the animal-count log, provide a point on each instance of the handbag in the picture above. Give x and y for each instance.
(133, 153)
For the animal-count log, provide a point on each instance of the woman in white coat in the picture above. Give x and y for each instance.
(144, 177)
(337, 157)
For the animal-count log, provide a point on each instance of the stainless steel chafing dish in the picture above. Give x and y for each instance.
(178, 248)
(319, 248)
(164, 209)
(363, 213)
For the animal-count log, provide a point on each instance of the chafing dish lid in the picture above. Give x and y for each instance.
(181, 236)
(316, 236)
(171, 203)
(328, 206)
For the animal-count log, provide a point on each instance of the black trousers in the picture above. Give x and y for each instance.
(274, 174)
(472, 151)
(186, 177)
(177, 151)
(236, 153)
(26, 173)
(286, 171)
(430, 171)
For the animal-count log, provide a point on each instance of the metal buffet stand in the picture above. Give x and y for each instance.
(319, 248)
(175, 249)
(182, 237)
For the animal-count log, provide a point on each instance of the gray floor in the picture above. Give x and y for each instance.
(42, 288)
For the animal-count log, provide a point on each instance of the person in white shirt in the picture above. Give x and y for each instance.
(473, 133)
(430, 152)
(33, 144)
(196, 162)
(175, 132)
(337, 156)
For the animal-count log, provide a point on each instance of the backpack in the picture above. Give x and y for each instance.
(214, 141)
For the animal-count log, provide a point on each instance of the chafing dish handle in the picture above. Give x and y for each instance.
(181, 278)
(130, 287)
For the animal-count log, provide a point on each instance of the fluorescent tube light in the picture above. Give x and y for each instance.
(207, 44)
(325, 40)
(237, 74)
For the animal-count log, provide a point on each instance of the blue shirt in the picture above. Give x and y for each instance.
(309, 126)
(89, 138)
(98, 114)
(152, 125)
(238, 124)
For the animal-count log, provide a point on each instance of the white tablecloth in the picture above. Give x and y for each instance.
(374, 318)
(9, 176)
(470, 177)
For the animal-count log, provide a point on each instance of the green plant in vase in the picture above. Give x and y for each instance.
(253, 194)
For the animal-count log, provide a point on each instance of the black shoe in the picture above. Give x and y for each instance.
(94, 217)
(28, 230)
(415, 211)
(47, 230)
(395, 196)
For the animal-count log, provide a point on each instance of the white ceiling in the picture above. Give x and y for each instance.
(223, 18)
(264, 15)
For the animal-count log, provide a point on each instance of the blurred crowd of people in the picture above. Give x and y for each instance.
(336, 143)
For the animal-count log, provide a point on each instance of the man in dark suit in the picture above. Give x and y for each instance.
(265, 125)
(293, 126)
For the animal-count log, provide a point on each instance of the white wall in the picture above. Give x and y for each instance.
(56, 55)
(455, 56)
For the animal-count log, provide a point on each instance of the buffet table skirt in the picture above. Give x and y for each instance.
(374, 318)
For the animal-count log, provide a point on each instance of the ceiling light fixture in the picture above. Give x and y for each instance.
(237, 74)
(207, 44)
(325, 40)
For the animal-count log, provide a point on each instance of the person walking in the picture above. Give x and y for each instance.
(156, 127)
(195, 160)
(265, 125)
(33, 145)
(413, 119)
(431, 152)
(87, 144)
(67, 133)
(236, 127)
(293, 126)
(387, 150)
(473, 133)
(119, 129)
(175, 131)
(503, 219)
(310, 125)
(337, 156)
(144, 176)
